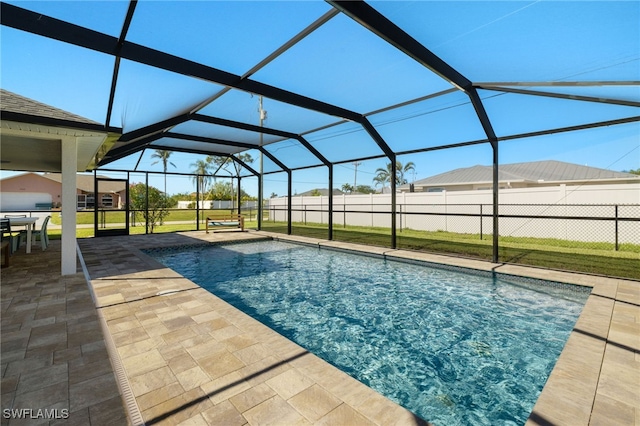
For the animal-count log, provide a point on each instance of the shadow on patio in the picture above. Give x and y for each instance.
(54, 356)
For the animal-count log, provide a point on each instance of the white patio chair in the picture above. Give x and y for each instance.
(42, 234)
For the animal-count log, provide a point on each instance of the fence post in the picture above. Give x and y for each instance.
(371, 201)
(481, 221)
(400, 217)
(344, 210)
(344, 213)
(616, 216)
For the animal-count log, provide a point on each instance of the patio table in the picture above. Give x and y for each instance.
(27, 222)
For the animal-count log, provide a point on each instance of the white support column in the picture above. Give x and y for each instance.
(69, 190)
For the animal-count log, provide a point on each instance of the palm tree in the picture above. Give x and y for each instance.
(383, 176)
(402, 171)
(202, 178)
(163, 156)
(379, 179)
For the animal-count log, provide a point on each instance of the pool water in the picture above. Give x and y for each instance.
(454, 348)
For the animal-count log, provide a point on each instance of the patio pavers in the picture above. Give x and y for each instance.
(53, 352)
(190, 358)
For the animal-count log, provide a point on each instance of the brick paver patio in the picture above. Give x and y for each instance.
(172, 353)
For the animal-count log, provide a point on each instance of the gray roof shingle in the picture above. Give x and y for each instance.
(86, 182)
(12, 102)
(548, 170)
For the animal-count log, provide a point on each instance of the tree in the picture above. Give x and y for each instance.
(202, 178)
(347, 188)
(225, 163)
(221, 191)
(632, 171)
(316, 193)
(185, 196)
(383, 176)
(273, 195)
(364, 189)
(379, 179)
(153, 213)
(218, 162)
(401, 171)
(163, 156)
(245, 158)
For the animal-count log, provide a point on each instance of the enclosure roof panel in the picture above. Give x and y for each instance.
(339, 81)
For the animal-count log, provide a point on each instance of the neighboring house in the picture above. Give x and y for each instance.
(31, 191)
(319, 191)
(520, 175)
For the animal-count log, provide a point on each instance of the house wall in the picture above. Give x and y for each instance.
(32, 183)
(438, 209)
(22, 192)
(15, 201)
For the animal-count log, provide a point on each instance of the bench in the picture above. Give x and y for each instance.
(225, 221)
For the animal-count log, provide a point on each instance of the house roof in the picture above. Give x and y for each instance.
(535, 171)
(12, 102)
(86, 183)
(322, 191)
(31, 134)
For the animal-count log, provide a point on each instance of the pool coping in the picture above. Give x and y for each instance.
(595, 378)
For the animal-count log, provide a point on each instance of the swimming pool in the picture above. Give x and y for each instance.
(453, 347)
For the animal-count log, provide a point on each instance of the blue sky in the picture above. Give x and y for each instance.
(344, 64)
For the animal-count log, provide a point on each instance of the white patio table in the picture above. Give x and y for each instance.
(27, 222)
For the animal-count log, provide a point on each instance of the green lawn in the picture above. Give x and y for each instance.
(595, 258)
(548, 253)
(177, 215)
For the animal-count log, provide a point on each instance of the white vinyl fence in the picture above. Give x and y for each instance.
(217, 204)
(547, 212)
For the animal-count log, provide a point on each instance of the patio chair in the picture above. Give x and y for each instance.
(42, 234)
(13, 237)
(22, 232)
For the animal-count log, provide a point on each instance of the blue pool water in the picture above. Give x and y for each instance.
(455, 348)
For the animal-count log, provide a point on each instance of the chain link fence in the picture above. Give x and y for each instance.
(600, 227)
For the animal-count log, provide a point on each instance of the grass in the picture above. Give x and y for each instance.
(87, 232)
(117, 216)
(577, 256)
(565, 255)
